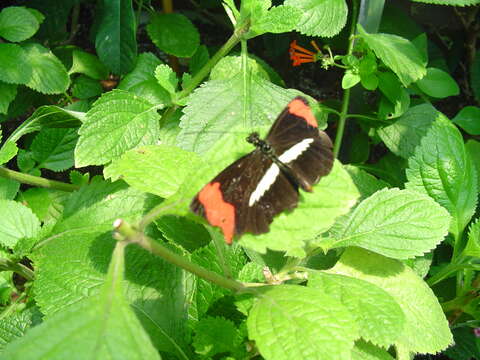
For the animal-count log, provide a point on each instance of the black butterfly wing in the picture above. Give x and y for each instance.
(227, 201)
(297, 142)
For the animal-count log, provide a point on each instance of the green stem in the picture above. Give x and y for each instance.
(224, 50)
(126, 232)
(346, 93)
(36, 180)
(20, 269)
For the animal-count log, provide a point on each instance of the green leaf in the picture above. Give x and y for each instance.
(369, 82)
(198, 60)
(14, 326)
(405, 134)
(473, 243)
(184, 232)
(473, 148)
(85, 87)
(102, 326)
(167, 78)
(398, 54)
(83, 243)
(278, 19)
(8, 188)
(296, 322)
(117, 122)
(87, 64)
(16, 222)
(214, 336)
(321, 18)
(231, 66)
(423, 313)
(379, 317)
(157, 169)
(49, 76)
(53, 148)
(366, 184)
(115, 40)
(442, 169)
(46, 204)
(438, 83)
(217, 108)
(16, 66)
(350, 79)
(8, 91)
(174, 34)
(48, 116)
(397, 223)
(365, 351)
(8, 151)
(17, 23)
(468, 118)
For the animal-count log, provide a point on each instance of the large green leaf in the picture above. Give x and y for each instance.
(321, 17)
(423, 313)
(115, 40)
(100, 327)
(438, 83)
(296, 322)
(398, 54)
(16, 67)
(117, 122)
(442, 169)
(395, 223)
(53, 148)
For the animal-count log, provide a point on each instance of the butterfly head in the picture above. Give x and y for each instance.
(260, 144)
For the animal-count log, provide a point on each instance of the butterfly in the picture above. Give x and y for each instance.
(246, 195)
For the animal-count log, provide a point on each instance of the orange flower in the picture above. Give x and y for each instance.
(300, 55)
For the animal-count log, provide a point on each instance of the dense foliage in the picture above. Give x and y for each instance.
(115, 113)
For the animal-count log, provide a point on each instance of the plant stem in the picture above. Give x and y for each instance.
(126, 232)
(20, 269)
(346, 93)
(224, 50)
(37, 180)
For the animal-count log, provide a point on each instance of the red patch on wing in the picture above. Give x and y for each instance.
(217, 211)
(298, 108)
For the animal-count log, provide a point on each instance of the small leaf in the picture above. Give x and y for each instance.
(174, 33)
(473, 244)
(16, 66)
(438, 83)
(423, 313)
(157, 169)
(117, 122)
(167, 78)
(278, 19)
(49, 76)
(87, 64)
(8, 91)
(369, 82)
(395, 223)
(102, 326)
(16, 222)
(214, 336)
(53, 148)
(468, 118)
(443, 169)
(350, 79)
(8, 188)
(405, 134)
(17, 23)
(8, 151)
(321, 18)
(296, 322)
(398, 54)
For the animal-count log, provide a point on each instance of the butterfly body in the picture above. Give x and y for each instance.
(246, 195)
